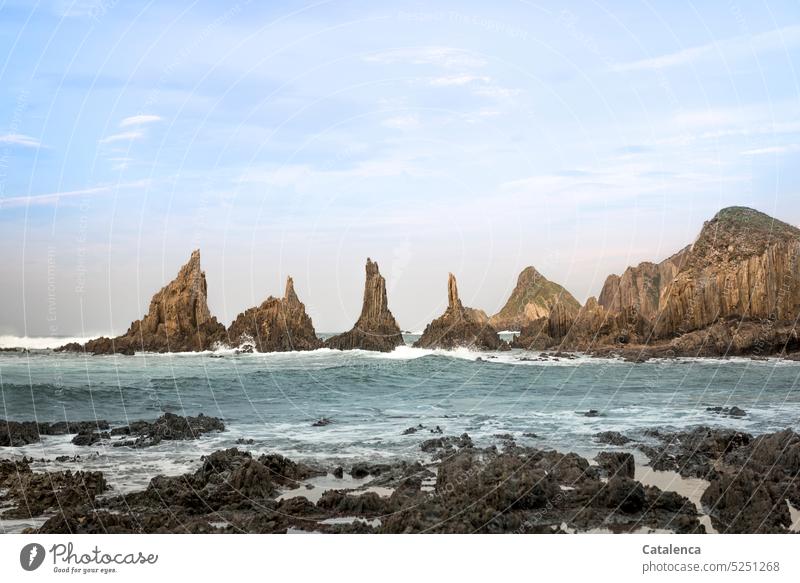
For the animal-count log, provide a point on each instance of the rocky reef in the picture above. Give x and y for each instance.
(532, 298)
(459, 326)
(178, 320)
(277, 325)
(376, 328)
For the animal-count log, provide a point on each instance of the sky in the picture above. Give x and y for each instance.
(294, 138)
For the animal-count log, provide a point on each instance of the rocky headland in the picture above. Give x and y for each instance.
(277, 325)
(459, 326)
(735, 291)
(376, 328)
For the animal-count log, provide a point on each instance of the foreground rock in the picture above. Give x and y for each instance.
(178, 320)
(751, 479)
(277, 325)
(25, 494)
(533, 297)
(376, 328)
(459, 326)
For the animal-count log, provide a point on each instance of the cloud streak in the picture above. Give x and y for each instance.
(730, 48)
(20, 140)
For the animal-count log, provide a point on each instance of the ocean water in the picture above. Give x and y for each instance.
(371, 398)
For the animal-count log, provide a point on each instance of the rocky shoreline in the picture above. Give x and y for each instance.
(751, 484)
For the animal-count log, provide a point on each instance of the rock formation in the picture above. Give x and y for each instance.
(744, 264)
(735, 291)
(640, 288)
(532, 298)
(459, 326)
(178, 319)
(376, 328)
(277, 325)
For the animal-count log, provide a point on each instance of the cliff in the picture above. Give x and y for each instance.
(277, 325)
(640, 288)
(459, 326)
(376, 328)
(178, 319)
(533, 297)
(744, 264)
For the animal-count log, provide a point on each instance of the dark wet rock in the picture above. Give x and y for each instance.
(366, 504)
(612, 438)
(744, 501)
(338, 472)
(376, 328)
(623, 493)
(86, 438)
(17, 434)
(616, 463)
(167, 427)
(244, 441)
(503, 436)
(362, 470)
(286, 472)
(32, 494)
(437, 430)
(693, 453)
(591, 413)
(530, 435)
(412, 430)
(727, 411)
(445, 445)
(322, 422)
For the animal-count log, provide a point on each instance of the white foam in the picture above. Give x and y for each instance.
(39, 342)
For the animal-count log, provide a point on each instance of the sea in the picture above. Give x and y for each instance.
(371, 399)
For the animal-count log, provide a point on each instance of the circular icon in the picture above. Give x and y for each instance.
(31, 556)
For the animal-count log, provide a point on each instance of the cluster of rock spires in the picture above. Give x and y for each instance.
(735, 290)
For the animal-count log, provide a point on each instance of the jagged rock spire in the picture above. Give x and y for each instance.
(376, 328)
(459, 326)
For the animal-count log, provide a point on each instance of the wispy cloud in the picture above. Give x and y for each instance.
(122, 137)
(735, 47)
(137, 120)
(445, 57)
(451, 80)
(20, 140)
(402, 122)
(772, 150)
(55, 197)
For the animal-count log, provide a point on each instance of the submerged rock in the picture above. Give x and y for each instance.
(459, 326)
(277, 325)
(376, 328)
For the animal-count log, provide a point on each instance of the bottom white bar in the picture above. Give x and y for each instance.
(400, 558)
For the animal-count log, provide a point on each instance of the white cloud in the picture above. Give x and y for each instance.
(402, 122)
(445, 57)
(451, 80)
(122, 137)
(730, 48)
(20, 140)
(55, 197)
(137, 120)
(772, 150)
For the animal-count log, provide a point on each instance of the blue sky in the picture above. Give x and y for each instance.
(300, 138)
